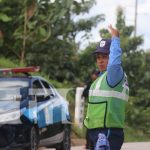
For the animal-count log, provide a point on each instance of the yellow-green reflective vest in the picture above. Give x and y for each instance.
(106, 106)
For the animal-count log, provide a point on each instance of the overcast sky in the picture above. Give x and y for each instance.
(108, 7)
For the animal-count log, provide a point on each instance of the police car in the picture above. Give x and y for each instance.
(32, 112)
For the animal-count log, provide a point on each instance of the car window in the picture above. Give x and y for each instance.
(48, 89)
(38, 90)
(37, 85)
(12, 88)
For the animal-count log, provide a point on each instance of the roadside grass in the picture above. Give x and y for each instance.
(134, 135)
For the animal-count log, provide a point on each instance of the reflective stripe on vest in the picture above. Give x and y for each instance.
(98, 84)
(115, 94)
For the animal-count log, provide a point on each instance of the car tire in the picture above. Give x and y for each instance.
(33, 140)
(66, 143)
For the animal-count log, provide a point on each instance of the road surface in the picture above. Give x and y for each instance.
(126, 146)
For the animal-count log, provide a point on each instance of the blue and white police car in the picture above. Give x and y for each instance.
(32, 112)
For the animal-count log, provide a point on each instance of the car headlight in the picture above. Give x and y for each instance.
(10, 116)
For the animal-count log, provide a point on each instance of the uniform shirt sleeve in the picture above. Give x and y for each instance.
(114, 68)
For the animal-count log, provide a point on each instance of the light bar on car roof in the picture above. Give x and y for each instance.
(19, 70)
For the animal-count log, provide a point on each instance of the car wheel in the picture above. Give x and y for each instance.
(33, 140)
(66, 143)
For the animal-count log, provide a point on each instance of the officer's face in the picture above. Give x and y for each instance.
(102, 61)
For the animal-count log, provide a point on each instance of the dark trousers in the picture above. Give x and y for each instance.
(115, 137)
(88, 145)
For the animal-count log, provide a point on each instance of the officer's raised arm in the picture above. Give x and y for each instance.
(114, 68)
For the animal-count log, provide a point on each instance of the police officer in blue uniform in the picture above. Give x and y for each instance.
(108, 94)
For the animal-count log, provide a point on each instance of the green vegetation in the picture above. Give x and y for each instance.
(134, 135)
(6, 63)
(42, 32)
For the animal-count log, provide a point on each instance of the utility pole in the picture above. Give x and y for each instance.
(135, 17)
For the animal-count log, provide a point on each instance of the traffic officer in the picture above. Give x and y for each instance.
(108, 94)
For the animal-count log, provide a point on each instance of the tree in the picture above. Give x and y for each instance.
(60, 63)
(43, 32)
(26, 26)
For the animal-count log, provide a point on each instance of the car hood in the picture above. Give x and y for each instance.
(6, 106)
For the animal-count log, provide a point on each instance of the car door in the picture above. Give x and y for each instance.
(52, 109)
(41, 99)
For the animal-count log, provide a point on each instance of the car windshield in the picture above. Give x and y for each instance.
(13, 89)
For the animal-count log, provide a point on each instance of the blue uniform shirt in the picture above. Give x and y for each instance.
(114, 68)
